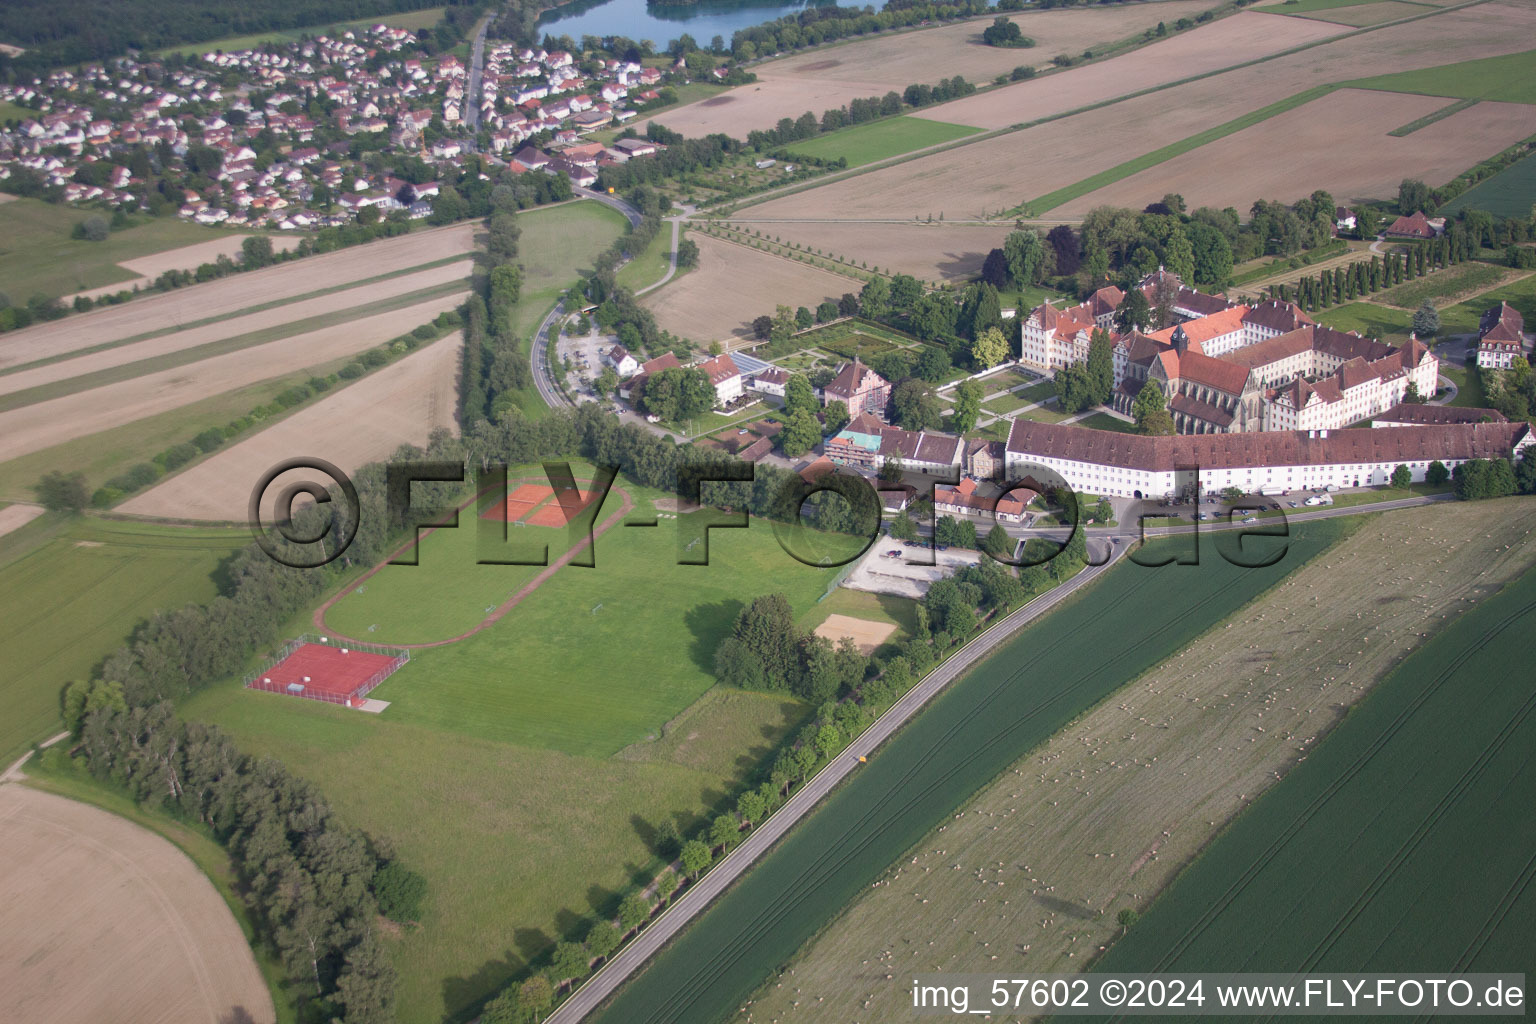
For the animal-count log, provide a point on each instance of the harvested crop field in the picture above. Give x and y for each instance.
(866, 633)
(1361, 15)
(188, 257)
(1118, 803)
(365, 422)
(1340, 139)
(735, 284)
(44, 424)
(831, 76)
(1001, 172)
(931, 252)
(14, 517)
(169, 311)
(1220, 44)
(233, 327)
(85, 887)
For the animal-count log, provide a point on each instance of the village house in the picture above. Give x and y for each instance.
(1500, 338)
(860, 388)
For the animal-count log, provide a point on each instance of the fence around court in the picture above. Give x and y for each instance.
(398, 659)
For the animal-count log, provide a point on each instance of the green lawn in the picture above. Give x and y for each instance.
(1387, 323)
(1104, 421)
(1511, 78)
(651, 265)
(557, 243)
(37, 256)
(11, 112)
(1507, 194)
(1403, 839)
(1306, 6)
(71, 600)
(878, 140)
(1469, 386)
(413, 20)
(565, 716)
(1521, 294)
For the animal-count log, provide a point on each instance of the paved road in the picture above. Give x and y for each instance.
(476, 71)
(698, 897)
(677, 224)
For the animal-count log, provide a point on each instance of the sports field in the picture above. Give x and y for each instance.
(867, 143)
(1119, 801)
(1402, 843)
(70, 600)
(559, 712)
(1048, 675)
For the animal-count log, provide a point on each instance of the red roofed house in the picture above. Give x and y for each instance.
(862, 389)
(1416, 226)
(1500, 338)
(725, 375)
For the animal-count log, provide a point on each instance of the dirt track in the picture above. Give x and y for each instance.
(44, 424)
(101, 920)
(166, 312)
(400, 404)
(735, 284)
(351, 298)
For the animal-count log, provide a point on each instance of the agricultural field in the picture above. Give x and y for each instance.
(72, 591)
(1060, 156)
(53, 421)
(86, 886)
(1371, 164)
(366, 421)
(573, 750)
(1507, 194)
(1446, 286)
(1510, 77)
(237, 294)
(413, 20)
(1362, 15)
(1120, 801)
(1048, 675)
(1386, 882)
(756, 282)
(830, 76)
(37, 256)
(880, 140)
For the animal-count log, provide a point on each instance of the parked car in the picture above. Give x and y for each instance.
(1251, 519)
(1203, 516)
(1275, 505)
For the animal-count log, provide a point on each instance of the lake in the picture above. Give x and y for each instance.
(662, 23)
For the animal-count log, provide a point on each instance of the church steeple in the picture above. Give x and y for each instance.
(1180, 340)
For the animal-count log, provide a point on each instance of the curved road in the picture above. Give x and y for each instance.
(544, 376)
(698, 896)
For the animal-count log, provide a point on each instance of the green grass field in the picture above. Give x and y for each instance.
(1510, 193)
(1401, 843)
(1510, 78)
(565, 714)
(1104, 421)
(878, 140)
(72, 599)
(1307, 6)
(413, 20)
(986, 720)
(651, 265)
(11, 112)
(558, 242)
(37, 256)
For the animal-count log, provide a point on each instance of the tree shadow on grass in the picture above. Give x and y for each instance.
(710, 623)
(464, 996)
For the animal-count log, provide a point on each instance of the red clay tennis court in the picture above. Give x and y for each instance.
(527, 498)
(320, 671)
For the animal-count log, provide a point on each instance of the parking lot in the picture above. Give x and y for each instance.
(584, 351)
(879, 573)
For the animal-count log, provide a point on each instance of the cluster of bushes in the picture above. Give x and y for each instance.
(1476, 479)
(859, 111)
(813, 26)
(1004, 32)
